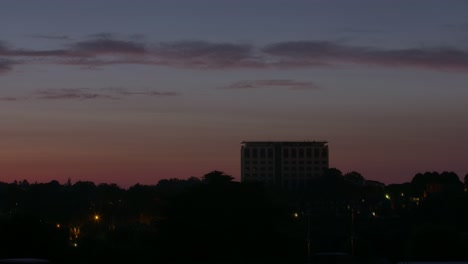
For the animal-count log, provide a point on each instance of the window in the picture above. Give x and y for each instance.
(293, 153)
(286, 153)
(247, 153)
(316, 152)
(270, 153)
(309, 153)
(262, 153)
(301, 153)
(324, 153)
(254, 153)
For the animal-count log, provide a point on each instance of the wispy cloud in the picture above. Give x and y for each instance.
(359, 30)
(51, 37)
(206, 55)
(102, 46)
(108, 49)
(70, 93)
(5, 65)
(10, 99)
(274, 83)
(304, 52)
(126, 92)
(111, 93)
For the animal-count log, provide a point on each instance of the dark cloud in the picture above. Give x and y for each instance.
(5, 65)
(275, 83)
(314, 53)
(104, 93)
(52, 37)
(126, 92)
(71, 93)
(106, 49)
(201, 54)
(6, 51)
(10, 99)
(359, 30)
(109, 46)
(431, 58)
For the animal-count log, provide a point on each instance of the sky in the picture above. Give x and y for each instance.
(130, 92)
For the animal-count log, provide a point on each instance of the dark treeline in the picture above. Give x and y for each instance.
(215, 219)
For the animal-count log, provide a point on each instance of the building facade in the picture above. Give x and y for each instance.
(291, 165)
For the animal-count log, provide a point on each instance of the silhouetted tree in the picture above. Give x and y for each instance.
(171, 187)
(333, 173)
(354, 177)
(217, 177)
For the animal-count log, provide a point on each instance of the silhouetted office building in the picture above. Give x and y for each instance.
(292, 165)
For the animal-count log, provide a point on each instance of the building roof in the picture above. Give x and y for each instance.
(287, 143)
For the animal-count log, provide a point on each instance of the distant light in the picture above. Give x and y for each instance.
(75, 245)
(96, 217)
(57, 225)
(387, 196)
(402, 194)
(373, 213)
(296, 215)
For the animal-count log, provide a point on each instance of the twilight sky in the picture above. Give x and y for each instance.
(135, 91)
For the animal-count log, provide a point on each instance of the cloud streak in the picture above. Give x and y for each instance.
(5, 66)
(70, 93)
(89, 94)
(52, 37)
(305, 52)
(10, 99)
(104, 46)
(274, 83)
(106, 49)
